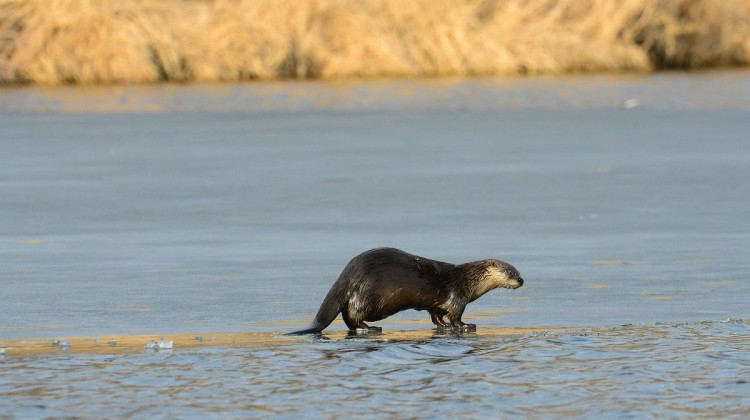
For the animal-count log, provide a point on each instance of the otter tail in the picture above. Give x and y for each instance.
(328, 311)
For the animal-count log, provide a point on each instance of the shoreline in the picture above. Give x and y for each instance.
(711, 89)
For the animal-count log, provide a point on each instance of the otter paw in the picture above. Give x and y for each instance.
(366, 330)
(469, 327)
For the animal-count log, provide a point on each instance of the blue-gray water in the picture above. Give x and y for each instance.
(697, 370)
(621, 201)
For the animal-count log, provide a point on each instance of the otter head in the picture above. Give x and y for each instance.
(493, 274)
(502, 274)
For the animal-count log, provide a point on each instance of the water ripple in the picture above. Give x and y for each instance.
(698, 370)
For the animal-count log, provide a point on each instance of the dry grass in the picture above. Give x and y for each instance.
(144, 41)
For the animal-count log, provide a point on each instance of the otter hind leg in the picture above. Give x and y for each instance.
(351, 323)
(368, 329)
(359, 326)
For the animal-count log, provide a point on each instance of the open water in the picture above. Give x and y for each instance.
(179, 210)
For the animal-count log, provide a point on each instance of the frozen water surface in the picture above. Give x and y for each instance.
(234, 208)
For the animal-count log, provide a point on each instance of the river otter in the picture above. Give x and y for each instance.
(380, 282)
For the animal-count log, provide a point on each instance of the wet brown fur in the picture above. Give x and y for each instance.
(382, 281)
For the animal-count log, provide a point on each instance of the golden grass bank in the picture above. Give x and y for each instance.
(146, 41)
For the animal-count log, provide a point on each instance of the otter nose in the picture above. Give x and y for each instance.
(520, 282)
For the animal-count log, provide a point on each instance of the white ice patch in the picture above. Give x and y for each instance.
(63, 344)
(162, 344)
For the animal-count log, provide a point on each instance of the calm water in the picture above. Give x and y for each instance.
(234, 207)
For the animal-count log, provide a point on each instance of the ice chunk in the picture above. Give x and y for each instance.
(165, 344)
(162, 344)
(63, 344)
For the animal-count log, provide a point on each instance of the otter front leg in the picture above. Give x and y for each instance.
(438, 320)
(467, 327)
(460, 325)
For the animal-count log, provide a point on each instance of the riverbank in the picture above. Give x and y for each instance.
(148, 41)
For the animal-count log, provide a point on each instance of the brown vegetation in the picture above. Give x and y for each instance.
(143, 41)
